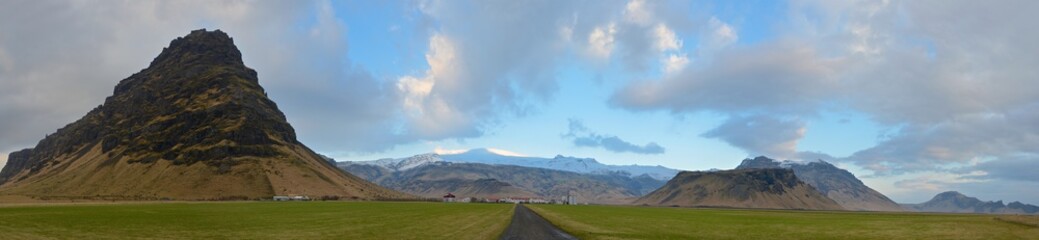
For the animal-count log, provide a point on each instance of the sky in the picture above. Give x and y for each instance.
(913, 97)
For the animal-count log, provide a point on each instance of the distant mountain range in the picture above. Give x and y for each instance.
(834, 183)
(773, 188)
(559, 162)
(483, 173)
(759, 182)
(955, 202)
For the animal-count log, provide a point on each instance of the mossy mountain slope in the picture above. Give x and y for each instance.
(741, 188)
(833, 182)
(195, 124)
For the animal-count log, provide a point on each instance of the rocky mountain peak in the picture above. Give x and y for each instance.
(195, 124)
(200, 47)
(197, 102)
(758, 162)
(953, 196)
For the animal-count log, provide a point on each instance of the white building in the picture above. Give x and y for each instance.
(569, 200)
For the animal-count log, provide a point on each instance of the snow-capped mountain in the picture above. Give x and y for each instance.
(401, 164)
(559, 162)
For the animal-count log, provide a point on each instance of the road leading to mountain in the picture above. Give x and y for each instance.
(529, 225)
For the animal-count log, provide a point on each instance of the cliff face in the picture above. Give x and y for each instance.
(834, 183)
(743, 188)
(194, 124)
(16, 161)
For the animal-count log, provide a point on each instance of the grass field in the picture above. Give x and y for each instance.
(629, 222)
(252, 220)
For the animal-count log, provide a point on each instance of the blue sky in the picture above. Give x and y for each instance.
(914, 97)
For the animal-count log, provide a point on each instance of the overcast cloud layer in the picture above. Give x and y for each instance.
(952, 83)
(953, 80)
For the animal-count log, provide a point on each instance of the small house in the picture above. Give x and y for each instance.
(449, 197)
(281, 198)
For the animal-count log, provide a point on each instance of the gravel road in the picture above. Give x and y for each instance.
(528, 225)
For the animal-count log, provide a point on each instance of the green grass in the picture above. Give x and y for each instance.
(629, 222)
(257, 220)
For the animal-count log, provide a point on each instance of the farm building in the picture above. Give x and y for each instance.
(291, 198)
(449, 197)
(523, 200)
(569, 200)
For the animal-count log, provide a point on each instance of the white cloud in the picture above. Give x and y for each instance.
(600, 41)
(505, 152)
(666, 39)
(3, 159)
(721, 35)
(443, 65)
(415, 91)
(674, 63)
(443, 151)
(636, 12)
(480, 71)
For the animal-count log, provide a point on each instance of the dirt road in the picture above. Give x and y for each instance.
(528, 225)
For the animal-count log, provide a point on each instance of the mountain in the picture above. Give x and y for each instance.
(434, 177)
(955, 202)
(772, 188)
(835, 183)
(194, 124)
(559, 162)
(402, 164)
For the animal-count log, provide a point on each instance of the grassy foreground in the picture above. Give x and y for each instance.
(630, 222)
(252, 220)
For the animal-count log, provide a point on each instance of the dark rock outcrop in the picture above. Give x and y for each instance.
(834, 183)
(16, 161)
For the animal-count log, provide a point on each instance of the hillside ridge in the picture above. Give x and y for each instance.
(195, 124)
(772, 188)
